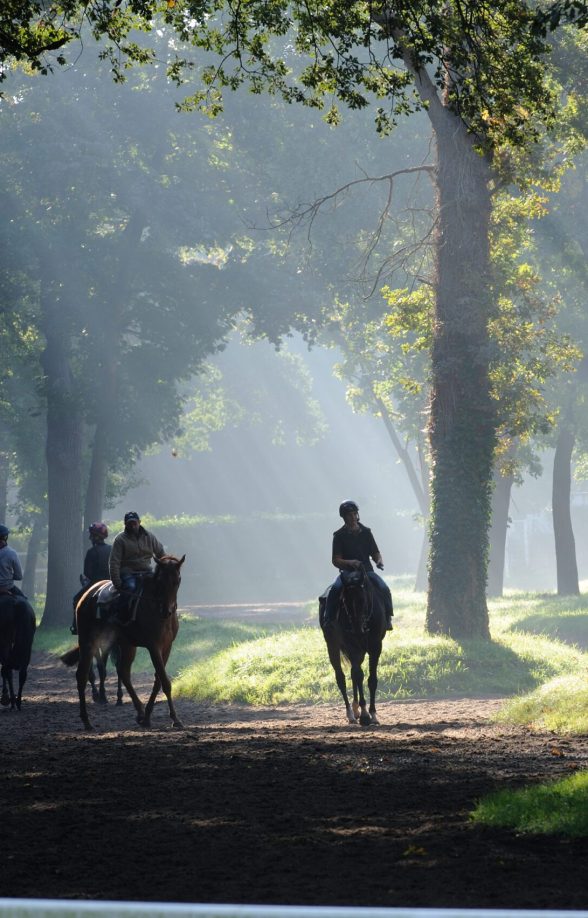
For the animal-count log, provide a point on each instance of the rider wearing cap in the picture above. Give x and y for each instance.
(353, 547)
(10, 570)
(95, 563)
(132, 552)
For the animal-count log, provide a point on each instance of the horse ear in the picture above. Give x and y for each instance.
(182, 559)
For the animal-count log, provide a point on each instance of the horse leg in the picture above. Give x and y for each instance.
(92, 681)
(357, 679)
(165, 682)
(127, 655)
(82, 674)
(119, 687)
(22, 678)
(374, 658)
(4, 698)
(335, 658)
(101, 660)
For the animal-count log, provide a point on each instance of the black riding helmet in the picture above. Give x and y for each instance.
(346, 506)
(4, 531)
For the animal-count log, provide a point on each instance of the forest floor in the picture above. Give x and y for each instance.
(275, 805)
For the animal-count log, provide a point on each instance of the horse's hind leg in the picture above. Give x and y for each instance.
(22, 678)
(92, 681)
(101, 660)
(82, 673)
(127, 655)
(335, 658)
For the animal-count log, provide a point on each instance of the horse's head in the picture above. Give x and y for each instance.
(356, 598)
(167, 579)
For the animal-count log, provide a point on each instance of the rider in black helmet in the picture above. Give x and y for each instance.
(353, 547)
(95, 563)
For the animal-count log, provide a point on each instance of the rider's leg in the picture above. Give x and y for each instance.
(386, 596)
(332, 606)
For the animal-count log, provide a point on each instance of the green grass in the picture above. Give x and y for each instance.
(535, 658)
(291, 664)
(560, 807)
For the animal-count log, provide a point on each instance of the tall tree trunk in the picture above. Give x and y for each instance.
(462, 422)
(565, 544)
(29, 582)
(96, 489)
(64, 464)
(498, 531)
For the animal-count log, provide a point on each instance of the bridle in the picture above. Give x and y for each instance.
(354, 583)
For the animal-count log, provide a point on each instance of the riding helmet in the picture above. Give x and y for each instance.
(98, 530)
(346, 506)
(4, 531)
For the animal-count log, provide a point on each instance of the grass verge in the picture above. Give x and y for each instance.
(560, 807)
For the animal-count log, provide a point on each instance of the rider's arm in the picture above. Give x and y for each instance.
(157, 548)
(114, 563)
(16, 568)
(345, 563)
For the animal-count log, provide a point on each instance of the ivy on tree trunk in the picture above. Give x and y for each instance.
(462, 427)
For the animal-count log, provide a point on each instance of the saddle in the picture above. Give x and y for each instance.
(107, 607)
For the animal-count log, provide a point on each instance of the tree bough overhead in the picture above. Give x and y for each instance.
(478, 69)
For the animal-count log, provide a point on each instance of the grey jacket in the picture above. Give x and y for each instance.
(132, 553)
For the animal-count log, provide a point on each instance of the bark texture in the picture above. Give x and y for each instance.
(64, 464)
(462, 422)
(498, 532)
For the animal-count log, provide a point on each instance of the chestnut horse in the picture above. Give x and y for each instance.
(359, 630)
(17, 630)
(154, 627)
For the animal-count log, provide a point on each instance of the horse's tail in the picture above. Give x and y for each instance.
(71, 657)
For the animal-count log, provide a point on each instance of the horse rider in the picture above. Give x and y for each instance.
(353, 547)
(130, 557)
(95, 563)
(10, 570)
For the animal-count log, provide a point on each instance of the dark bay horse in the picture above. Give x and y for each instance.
(358, 630)
(155, 627)
(17, 630)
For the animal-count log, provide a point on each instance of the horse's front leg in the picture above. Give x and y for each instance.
(162, 677)
(374, 658)
(335, 658)
(357, 679)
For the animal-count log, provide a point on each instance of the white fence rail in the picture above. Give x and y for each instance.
(65, 908)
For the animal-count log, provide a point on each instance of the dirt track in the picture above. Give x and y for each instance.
(284, 805)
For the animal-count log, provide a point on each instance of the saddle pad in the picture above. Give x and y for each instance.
(106, 594)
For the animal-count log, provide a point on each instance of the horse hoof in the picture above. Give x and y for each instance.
(177, 725)
(365, 720)
(119, 703)
(5, 701)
